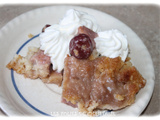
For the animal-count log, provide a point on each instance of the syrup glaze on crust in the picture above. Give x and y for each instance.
(104, 83)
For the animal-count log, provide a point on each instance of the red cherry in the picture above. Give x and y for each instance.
(81, 46)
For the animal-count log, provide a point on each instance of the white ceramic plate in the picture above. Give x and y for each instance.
(20, 96)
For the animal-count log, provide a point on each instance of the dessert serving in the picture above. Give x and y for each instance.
(90, 65)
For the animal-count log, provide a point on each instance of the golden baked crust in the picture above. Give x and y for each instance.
(103, 83)
(35, 65)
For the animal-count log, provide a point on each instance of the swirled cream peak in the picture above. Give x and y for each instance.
(55, 40)
(112, 44)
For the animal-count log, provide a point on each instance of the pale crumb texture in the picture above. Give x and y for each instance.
(35, 65)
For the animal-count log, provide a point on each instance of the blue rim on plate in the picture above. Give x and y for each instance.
(14, 82)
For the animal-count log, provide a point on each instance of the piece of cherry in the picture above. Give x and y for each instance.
(47, 25)
(81, 46)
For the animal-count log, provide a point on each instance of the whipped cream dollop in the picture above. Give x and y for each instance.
(56, 38)
(112, 43)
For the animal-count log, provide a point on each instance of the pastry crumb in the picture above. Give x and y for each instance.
(30, 35)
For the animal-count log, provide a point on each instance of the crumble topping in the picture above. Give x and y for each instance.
(104, 83)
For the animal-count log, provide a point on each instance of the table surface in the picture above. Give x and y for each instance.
(142, 19)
